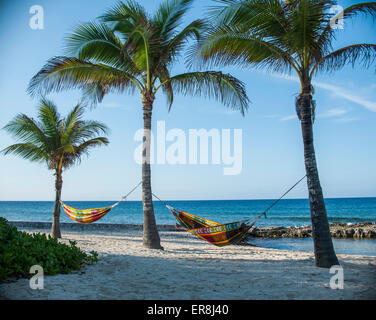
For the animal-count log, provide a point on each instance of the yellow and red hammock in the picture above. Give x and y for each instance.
(86, 215)
(91, 215)
(218, 234)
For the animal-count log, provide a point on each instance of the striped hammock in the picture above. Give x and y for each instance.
(217, 233)
(190, 221)
(213, 232)
(86, 215)
(91, 215)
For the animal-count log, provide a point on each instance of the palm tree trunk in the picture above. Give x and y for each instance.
(55, 230)
(151, 238)
(325, 256)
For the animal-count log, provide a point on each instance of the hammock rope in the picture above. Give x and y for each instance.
(276, 201)
(92, 215)
(218, 234)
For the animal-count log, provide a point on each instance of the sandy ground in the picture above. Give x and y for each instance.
(190, 268)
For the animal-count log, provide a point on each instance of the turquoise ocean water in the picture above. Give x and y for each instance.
(288, 212)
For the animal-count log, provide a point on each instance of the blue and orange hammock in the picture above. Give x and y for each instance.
(218, 234)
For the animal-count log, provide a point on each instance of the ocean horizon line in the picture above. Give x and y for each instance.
(182, 200)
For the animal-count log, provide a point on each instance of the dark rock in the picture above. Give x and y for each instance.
(337, 230)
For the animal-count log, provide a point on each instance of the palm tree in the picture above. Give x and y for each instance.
(287, 36)
(126, 51)
(58, 142)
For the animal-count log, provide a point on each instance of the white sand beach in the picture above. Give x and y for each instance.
(189, 268)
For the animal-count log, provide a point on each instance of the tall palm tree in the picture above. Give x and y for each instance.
(58, 142)
(127, 50)
(287, 36)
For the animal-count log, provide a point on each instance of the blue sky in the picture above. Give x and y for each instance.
(344, 132)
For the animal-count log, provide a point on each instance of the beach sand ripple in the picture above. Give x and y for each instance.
(190, 268)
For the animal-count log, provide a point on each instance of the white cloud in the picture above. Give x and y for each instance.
(293, 116)
(338, 91)
(332, 113)
(344, 120)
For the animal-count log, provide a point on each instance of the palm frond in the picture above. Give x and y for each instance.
(27, 151)
(328, 32)
(364, 54)
(210, 84)
(192, 31)
(258, 17)
(124, 17)
(91, 143)
(169, 15)
(74, 156)
(307, 20)
(366, 8)
(164, 76)
(139, 46)
(95, 42)
(171, 50)
(85, 130)
(71, 122)
(224, 13)
(27, 129)
(74, 116)
(226, 46)
(61, 73)
(51, 123)
(131, 10)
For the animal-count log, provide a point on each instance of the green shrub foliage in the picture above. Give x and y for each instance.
(20, 250)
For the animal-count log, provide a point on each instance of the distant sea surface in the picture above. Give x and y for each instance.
(288, 212)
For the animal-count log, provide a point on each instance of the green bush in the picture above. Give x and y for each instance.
(20, 250)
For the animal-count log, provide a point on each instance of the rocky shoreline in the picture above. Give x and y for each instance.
(366, 230)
